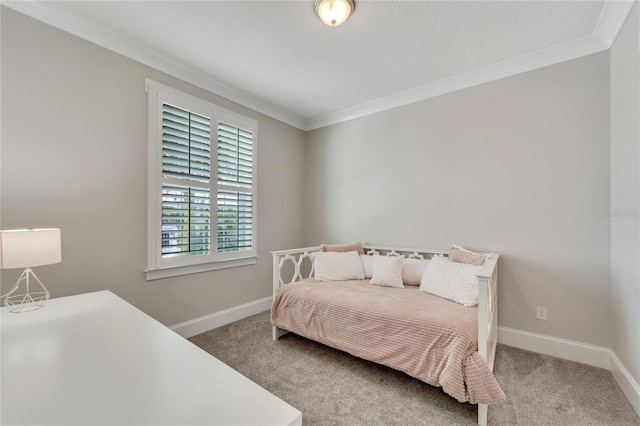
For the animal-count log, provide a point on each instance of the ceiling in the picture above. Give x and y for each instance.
(278, 58)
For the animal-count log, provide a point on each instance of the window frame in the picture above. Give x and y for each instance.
(157, 266)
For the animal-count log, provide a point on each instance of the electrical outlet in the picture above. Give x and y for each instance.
(541, 313)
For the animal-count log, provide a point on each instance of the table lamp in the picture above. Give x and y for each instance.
(28, 248)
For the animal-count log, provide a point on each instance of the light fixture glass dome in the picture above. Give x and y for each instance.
(333, 12)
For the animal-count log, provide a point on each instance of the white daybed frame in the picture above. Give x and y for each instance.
(487, 298)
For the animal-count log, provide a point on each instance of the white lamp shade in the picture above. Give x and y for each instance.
(27, 248)
(333, 12)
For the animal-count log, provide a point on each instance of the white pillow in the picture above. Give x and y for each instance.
(367, 264)
(337, 266)
(450, 280)
(413, 270)
(387, 271)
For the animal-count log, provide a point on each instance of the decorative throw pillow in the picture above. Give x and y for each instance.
(450, 280)
(357, 246)
(412, 270)
(461, 255)
(337, 266)
(387, 271)
(367, 264)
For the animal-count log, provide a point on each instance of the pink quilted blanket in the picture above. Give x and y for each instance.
(425, 336)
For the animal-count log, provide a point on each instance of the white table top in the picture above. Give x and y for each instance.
(95, 359)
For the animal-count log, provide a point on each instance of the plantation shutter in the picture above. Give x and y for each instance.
(201, 201)
(235, 188)
(186, 174)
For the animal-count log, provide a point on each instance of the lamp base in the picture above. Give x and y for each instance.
(24, 300)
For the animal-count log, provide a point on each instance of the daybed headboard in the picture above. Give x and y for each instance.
(302, 271)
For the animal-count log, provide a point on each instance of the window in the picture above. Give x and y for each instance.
(201, 186)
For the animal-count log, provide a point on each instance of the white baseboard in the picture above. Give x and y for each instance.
(597, 356)
(629, 386)
(208, 322)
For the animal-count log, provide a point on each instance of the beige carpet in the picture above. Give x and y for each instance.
(333, 388)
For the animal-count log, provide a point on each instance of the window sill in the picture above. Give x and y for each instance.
(156, 274)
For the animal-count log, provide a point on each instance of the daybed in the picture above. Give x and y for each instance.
(433, 339)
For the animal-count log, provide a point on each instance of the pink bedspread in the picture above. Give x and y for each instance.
(425, 336)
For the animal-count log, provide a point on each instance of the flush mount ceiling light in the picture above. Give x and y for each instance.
(333, 12)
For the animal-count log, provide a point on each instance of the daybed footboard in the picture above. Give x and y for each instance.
(296, 265)
(487, 319)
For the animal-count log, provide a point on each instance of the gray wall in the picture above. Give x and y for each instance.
(73, 156)
(625, 194)
(519, 166)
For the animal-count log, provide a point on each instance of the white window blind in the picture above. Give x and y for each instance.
(201, 179)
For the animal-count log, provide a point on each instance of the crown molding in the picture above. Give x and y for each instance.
(609, 24)
(612, 18)
(539, 59)
(106, 37)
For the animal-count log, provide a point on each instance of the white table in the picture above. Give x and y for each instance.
(95, 359)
